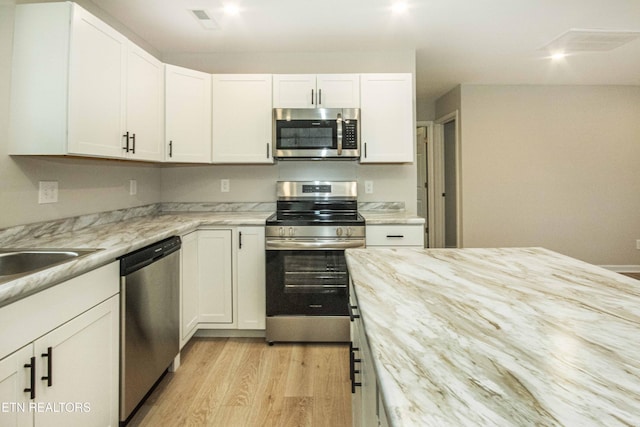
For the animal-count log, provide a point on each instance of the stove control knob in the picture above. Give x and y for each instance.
(349, 231)
(292, 231)
(281, 231)
(339, 231)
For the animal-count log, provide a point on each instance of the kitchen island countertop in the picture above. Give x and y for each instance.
(499, 337)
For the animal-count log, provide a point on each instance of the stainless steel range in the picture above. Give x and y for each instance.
(306, 272)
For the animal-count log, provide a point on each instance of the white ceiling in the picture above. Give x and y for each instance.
(456, 41)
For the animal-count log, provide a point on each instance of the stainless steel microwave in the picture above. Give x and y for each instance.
(316, 133)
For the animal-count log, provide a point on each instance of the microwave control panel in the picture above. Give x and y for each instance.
(350, 135)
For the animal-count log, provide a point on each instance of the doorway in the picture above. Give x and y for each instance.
(424, 152)
(443, 184)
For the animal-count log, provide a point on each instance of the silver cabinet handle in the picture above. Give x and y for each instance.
(339, 133)
(312, 103)
(126, 138)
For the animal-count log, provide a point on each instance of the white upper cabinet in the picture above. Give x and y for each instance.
(72, 84)
(145, 106)
(387, 129)
(97, 67)
(246, 97)
(188, 115)
(316, 91)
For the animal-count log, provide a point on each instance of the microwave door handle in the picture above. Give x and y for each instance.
(339, 133)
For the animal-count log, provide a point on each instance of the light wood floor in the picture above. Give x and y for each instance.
(244, 382)
(634, 275)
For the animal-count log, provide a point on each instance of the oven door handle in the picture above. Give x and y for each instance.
(283, 245)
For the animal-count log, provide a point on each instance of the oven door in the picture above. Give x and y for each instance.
(306, 282)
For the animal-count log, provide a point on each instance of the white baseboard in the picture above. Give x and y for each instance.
(623, 268)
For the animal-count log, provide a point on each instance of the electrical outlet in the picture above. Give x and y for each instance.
(224, 185)
(47, 192)
(133, 187)
(368, 187)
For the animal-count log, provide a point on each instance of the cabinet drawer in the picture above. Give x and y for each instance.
(395, 235)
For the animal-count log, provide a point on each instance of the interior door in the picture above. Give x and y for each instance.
(421, 184)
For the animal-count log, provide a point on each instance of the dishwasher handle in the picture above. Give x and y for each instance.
(136, 260)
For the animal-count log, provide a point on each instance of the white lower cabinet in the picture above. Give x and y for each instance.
(215, 292)
(14, 378)
(407, 235)
(188, 287)
(251, 278)
(366, 404)
(68, 375)
(223, 280)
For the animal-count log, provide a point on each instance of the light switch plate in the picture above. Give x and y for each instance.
(133, 187)
(47, 192)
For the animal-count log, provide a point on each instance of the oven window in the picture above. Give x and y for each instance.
(322, 272)
(306, 282)
(306, 134)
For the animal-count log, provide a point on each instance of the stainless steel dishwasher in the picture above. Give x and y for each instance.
(149, 319)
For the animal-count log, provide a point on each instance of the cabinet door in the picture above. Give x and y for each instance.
(245, 97)
(81, 360)
(386, 102)
(96, 87)
(294, 91)
(144, 105)
(14, 378)
(368, 380)
(251, 278)
(188, 115)
(338, 90)
(215, 276)
(354, 361)
(189, 286)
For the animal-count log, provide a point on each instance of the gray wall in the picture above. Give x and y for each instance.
(551, 166)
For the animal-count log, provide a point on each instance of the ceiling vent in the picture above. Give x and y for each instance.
(576, 40)
(204, 19)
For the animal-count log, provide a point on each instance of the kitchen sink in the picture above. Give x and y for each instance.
(15, 263)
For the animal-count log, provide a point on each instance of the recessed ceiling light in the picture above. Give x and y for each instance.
(558, 55)
(399, 7)
(231, 9)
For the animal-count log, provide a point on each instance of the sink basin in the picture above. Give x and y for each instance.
(19, 262)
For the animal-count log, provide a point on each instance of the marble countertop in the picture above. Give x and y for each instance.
(114, 239)
(499, 337)
(390, 217)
